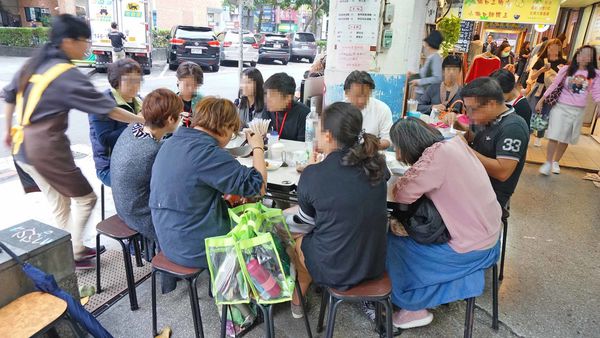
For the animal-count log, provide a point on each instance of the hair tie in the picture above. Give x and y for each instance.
(361, 137)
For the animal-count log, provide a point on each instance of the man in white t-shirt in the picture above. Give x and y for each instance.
(377, 116)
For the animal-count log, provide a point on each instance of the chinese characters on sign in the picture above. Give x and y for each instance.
(356, 33)
(465, 37)
(517, 11)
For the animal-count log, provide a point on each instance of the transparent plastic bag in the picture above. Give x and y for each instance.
(229, 284)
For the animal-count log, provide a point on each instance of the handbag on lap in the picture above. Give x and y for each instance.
(423, 222)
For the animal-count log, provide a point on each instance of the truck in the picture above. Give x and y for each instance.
(133, 18)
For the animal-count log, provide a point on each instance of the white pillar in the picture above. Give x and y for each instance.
(388, 67)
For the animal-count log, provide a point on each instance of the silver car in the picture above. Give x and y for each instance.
(304, 46)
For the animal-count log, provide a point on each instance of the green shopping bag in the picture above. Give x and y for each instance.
(229, 284)
(262, 265)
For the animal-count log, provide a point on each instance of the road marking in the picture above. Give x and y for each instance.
(162, 74)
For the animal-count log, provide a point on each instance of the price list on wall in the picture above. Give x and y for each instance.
(465, 37)
(356, 32)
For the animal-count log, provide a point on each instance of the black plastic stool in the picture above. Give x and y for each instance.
(378, 291)
(161, 264)
(116, 229)
(267, 312)
(470, 313)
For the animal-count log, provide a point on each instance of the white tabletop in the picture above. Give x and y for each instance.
(289, 175)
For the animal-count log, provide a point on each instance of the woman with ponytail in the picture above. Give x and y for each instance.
(342, 206)
(42, 93)
(450, 175)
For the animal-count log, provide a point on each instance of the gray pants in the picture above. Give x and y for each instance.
(118, 55)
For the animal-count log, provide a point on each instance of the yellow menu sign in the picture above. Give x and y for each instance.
(513, 11)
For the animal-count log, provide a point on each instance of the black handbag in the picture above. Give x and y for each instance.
(423, 222)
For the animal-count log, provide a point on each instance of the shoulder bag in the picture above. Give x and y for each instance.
(423, 222)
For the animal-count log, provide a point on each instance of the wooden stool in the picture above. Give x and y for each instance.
(34, 314)
(470, 313)
(378, 291)
(161, 264)
(116, 229)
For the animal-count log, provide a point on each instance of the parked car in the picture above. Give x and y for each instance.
(274, 46)
(304, 46)
(230, 47)
(193, 43)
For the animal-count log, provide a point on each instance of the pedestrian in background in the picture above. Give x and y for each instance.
(431, 72)
(507, 58)
(490, 45)
(116, 40)
(41, 147)
(475, 48)
(524, 54)
(578, 80)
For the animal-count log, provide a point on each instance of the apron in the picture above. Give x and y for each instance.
(47, 148)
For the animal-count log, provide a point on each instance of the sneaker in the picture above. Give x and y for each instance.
(555, 168)
(89, 253)
(368, 308)
(84, 264)
(537, 142)
(405, 319)
(297, 311)
(545, 168)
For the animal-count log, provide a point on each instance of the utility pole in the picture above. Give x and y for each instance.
(241, 31)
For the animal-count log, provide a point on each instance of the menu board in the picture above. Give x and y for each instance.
(465, 37)
(520, 11)
(356, 33)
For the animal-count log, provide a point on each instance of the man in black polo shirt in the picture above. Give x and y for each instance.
(287, 115)
(501, 137)
(116, 40)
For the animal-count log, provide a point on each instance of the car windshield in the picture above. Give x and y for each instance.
(191, 33)
(304, 37)
(234, 37)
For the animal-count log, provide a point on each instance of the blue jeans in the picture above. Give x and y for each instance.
(104, 176)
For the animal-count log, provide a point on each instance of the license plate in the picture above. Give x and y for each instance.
(276, 45)
(196, 51)
(304, 47)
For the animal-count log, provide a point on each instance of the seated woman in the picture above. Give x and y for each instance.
(251, 97)
(133, 157)
(449, 174)
(191, 173)
(343, 200)
(442, 96)
(125, 78)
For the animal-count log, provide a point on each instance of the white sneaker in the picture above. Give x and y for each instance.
(545, 168)
(555, 168)
(537, 142)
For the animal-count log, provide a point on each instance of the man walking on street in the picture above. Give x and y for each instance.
(116, 40)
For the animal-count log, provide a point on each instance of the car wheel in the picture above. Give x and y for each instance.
(222, 63)
(102, 70)
(311, 60)
(252, 64)
(215, 68)
(172, 66)
(284, 62)
(147, 71)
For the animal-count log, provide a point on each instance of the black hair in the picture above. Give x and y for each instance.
(452, 61)
(484, 88)
(476, 37)
(114, 25)
(524, 46)
(412, 136)
(359, 77)
(64, 26)
(500, 48)
(282, 83)
(344, 122)
(591, 67)
(544, 39)
(259, 92)
(118, 69)
(505, 79)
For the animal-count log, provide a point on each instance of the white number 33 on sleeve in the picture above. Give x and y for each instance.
(511, 145)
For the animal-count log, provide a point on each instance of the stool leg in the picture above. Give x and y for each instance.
(210, 294)
(224, 309)
(469, 317)
(503, 252)
(495, 297)
(267, 320)
(301, 297)
(389, 312)
(333, 305)
(324, 301)
(195, 308)
(129, 276)
(378, 327)
(137, 251)
(271, 322)
(154, 330)
(98, 287)
(102, 201)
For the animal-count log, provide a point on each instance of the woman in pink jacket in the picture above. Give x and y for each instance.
(579, 80)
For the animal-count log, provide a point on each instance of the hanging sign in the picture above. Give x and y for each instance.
(465, 37)
(514, 11)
